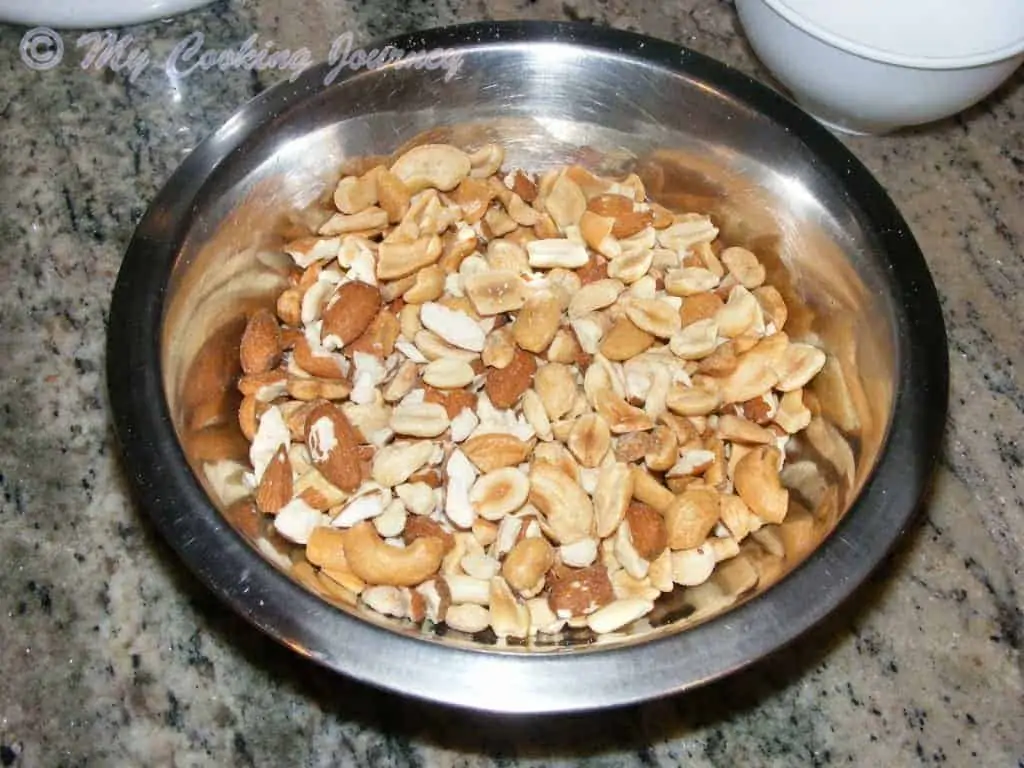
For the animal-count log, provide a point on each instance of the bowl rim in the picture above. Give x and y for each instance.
(883, 56)
(481, 679)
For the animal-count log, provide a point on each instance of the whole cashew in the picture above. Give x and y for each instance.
(377, 562)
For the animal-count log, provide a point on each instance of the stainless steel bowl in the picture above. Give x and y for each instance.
(703, 138)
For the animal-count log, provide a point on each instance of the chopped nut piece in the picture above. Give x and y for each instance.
(455, 478)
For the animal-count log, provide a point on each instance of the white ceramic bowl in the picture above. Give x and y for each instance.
(871, 67)
(91, 13)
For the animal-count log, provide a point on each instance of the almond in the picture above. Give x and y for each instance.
(350, 312)
(275, 488)
(760, 410)
(261, 343)
(721, 362)
(302, 388)
(419, 527)
(610, 205)
(524, 186)
(431, 478)
(265, 387)
(249, 413)
(491, 452)
(595, 269)
(629, 224)
(334, 446)
(393, 196)
(454, 401)
(319, 364)
(647, 529)
(505, 385)
(581, 592)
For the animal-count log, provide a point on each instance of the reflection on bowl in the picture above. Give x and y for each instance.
(702, 139)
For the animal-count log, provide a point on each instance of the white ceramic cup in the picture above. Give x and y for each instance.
(91, 14)
(856, 90)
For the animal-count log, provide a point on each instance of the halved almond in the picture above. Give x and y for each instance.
(275, 488)
(334, 446)
(350, 312)
(505, 385)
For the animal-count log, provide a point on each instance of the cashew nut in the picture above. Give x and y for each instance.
(691, 517)
(757, 483)
(568, 510)
(486, 161)
(509, 616)
(650, 491)
(439, 166)
(744, 266)
(689, 281)
(376, 562)
(527, 564)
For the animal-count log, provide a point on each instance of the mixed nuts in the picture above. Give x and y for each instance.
(504, 401)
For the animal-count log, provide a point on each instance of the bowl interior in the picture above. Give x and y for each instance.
(696, 147)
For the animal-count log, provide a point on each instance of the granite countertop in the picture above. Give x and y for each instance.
(111, 654)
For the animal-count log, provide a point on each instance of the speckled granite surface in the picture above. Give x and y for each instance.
(110, 654)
